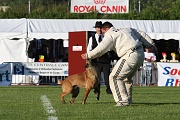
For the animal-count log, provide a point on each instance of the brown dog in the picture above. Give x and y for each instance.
(89, 79)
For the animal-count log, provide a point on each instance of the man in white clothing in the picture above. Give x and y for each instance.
(127, 43)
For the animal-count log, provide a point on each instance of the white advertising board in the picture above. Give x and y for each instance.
(168, 74)
(100, 6)
(41, 68)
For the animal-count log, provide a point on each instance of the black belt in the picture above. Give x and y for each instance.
(136, 48)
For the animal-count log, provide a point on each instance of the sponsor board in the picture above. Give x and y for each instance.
(41, 68)
(168, 74)
(100, 6)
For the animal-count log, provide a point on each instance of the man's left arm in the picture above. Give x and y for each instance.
(145, 39)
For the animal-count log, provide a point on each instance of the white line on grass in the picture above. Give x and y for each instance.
(48, 107)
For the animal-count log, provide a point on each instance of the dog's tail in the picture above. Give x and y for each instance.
(60, 82)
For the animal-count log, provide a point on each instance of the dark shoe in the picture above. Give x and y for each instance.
(108, 91)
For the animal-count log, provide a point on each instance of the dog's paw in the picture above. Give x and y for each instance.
(72, 101)
(98, 96)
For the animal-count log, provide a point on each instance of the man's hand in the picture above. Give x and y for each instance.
(148, 60)
(83, 56)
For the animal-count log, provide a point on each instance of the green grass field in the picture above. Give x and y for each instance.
(43, 103)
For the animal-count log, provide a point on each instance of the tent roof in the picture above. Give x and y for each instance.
(13, 28)
(59, 28)
(157, 29)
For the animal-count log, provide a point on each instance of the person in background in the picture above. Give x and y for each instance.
(128, 44)
(103, 62)
(146, 71)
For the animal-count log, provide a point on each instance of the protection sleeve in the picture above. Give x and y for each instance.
(144, 38)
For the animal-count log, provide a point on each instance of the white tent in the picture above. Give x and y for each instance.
(14, 50)
(48, 29)
(13, 28)
(55, 28)
(13, 35)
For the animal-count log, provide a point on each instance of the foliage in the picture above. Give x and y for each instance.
(60, 9)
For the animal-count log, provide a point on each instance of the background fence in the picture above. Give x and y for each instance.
(36, 79)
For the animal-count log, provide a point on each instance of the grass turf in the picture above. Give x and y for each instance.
(150, 103)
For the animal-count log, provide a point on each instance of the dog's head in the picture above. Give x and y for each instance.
(91, 68)
(88, 63)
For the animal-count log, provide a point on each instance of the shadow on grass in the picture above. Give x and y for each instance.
(136, 104)
(156, 104)
(90, 103)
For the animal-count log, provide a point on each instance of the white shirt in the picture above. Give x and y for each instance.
(148, 65)
(89, 47)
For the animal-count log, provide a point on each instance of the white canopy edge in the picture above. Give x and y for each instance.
(59, 28)
(166, 36)
(55, 28)
(63, 36)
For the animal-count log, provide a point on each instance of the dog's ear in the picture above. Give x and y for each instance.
(87, 65)
(89, 62)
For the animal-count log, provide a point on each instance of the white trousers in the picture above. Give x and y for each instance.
(125, 68)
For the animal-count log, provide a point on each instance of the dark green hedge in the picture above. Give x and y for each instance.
(58, 9)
